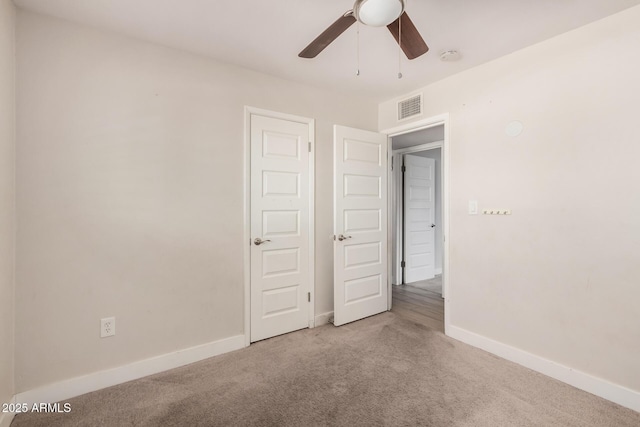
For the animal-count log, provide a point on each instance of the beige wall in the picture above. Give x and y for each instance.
(560, 278)
(7, 195)
(130, 195)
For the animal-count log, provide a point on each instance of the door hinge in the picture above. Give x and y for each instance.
(309, 146)
(308, 296)
(391, 164)
(402, 264)
(404, 168)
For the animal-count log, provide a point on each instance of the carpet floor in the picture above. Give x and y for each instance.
(384, 370)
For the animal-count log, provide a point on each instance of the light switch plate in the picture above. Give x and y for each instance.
(473, 207)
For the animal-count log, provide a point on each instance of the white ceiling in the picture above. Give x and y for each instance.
(267, 35)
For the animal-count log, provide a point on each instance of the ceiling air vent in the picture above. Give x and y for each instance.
(410, 107)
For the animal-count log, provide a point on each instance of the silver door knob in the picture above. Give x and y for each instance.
(342, 237)
(258, 241)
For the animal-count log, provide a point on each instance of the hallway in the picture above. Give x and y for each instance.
(421, 302)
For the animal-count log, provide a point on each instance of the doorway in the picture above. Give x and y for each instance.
(417, 234)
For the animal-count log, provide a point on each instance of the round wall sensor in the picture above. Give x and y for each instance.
(514, 128)
(450, 55)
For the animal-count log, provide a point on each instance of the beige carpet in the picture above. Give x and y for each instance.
(383, 370)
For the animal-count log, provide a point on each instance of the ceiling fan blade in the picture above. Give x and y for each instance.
(412, 44)
(328, 35)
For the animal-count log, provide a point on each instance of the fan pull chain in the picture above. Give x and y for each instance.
(358, 48)
(400, 47)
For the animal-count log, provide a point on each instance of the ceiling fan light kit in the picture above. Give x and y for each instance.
(378, 13)
(375, 13)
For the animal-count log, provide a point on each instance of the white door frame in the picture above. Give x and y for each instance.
(442, 119)
(396, 176)
(248, 111)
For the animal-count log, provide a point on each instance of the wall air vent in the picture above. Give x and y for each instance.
(410, 107)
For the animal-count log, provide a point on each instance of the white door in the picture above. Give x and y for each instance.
(280, 282)
(419, 218)
(360, 224)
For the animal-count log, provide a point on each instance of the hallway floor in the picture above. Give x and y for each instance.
(421, 302)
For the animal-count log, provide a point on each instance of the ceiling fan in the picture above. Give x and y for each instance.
(374, 13)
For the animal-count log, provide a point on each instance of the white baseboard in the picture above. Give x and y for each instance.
(67, 389)
(323, 319)
(616, 393)
(6, 418)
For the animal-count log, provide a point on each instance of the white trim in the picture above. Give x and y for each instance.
(581, 380)
(246, 218)
(446, 221)
(418, 148)
(438, 271)
(418, 125)
(396, 207)
(324, 318)
(248, 111)
(389, 223)
(312, 222)
(442, 119)
(7, 417)
(396, 223)
(67, 389)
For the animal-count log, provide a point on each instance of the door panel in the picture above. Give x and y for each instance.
(362, 186)
(280, 223)
(362, 255)
(363, 288)
(358, 221)
(280, 216)
(360, 215)
(419, 218)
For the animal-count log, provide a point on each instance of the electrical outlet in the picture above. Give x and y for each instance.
(107, 327)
